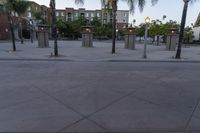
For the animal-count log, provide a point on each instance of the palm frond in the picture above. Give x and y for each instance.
(79, 2)
(153, 2)
(141, 4)
(21, 6)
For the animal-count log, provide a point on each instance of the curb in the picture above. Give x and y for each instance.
(71, 60)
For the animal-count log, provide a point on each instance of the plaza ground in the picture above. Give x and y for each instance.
(91, 90)
(72, 50)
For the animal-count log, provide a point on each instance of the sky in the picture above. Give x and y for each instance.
(171, 8)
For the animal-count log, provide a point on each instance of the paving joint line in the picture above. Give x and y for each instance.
(111, 103)
(192, 114)
(106, 106)
(68, 107)
(159, 105)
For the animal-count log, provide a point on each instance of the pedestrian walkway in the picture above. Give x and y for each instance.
(99, 97)
(72, 51)
(92, 90)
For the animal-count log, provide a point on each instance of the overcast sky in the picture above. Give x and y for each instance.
(171, 8)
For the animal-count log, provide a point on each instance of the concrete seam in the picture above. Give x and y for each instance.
(192, 114)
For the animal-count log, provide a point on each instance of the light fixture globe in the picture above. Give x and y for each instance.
(147, 20)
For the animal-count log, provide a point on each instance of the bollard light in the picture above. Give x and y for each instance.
(88, 30)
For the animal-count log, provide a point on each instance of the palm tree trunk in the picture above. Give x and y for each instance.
(54, 33)
(178, 53)
(114, 10)
(54, 27)
(12, 31)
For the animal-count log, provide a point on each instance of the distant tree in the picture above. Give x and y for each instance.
(103, 32)
(20, 7)
(140, 31)
(96, 22)
(188, 34)
(39, 18)
(112, 4)
(62, 27)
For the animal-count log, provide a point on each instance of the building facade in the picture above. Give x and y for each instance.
(68, 14)
(196, 29)
(103, 15)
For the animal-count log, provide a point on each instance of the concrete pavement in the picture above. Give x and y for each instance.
(59, 96)
(91, 90)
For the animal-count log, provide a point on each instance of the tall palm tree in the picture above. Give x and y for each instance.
(113, 5)
(21, 7)
(9, 7)
(183, 20)
(54, 26)
(7, 10)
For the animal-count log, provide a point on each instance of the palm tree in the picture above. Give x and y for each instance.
(21, 7)
(7, 10)
(9, 7)
(183, 20)
(54, 26)
(113, 5)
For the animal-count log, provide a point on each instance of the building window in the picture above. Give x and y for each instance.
(57, 14)
(76, 14)
(82, 15)
(124, 21)
(104, 21)
(87, 14)
(92, 14)
(29, 14)
(125, 15)
(98, 15)
(105, 14)
(69, 15)
(62, 14)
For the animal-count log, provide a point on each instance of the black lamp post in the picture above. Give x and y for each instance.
(183, 20)
(54, 27)
(147, 21)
